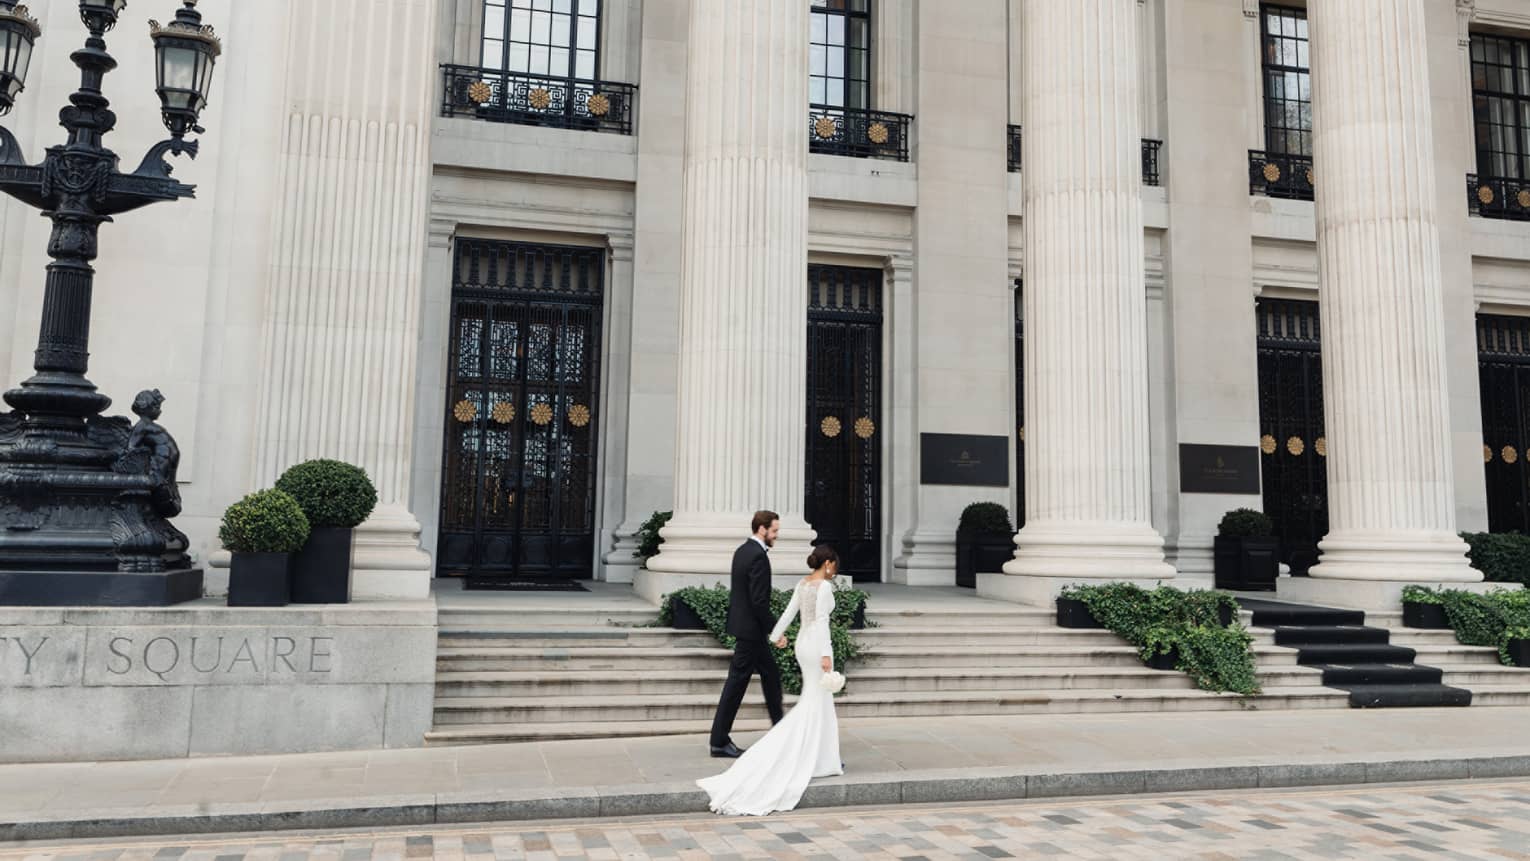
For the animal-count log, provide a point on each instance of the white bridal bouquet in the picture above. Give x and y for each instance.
(832, 682)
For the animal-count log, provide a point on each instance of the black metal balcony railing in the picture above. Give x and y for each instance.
(1150, 149)
(858, 133)
(1280, 175)
(1498, 197)
(537, 100)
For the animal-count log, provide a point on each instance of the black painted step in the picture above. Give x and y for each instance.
(1354, 653)
(1405, 696)
(1270, 614)
(1302, 635)
(1341, 675)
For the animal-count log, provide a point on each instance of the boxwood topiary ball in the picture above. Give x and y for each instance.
(331, 493)
(266, 521)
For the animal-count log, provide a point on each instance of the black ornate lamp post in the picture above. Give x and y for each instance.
(86, 499)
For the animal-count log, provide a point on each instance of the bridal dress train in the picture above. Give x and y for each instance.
(773, 773)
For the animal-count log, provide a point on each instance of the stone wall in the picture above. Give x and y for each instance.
(118, 683)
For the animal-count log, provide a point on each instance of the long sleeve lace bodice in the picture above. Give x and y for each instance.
(815, 602)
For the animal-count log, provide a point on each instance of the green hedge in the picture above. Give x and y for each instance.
(1491, 619)
(712, 606)
(1158, 621)
(1502, 557)
(1421, 595)
(266, 521)
(648, 537)
(330, 492)
(1246, 523)
(985, 517)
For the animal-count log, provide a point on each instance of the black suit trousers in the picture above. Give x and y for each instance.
(749, 657)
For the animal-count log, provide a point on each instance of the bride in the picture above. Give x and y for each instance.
(772, 773)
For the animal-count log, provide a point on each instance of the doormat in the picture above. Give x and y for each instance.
(522, 584)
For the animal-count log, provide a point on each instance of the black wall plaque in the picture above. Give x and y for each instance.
(980, 461)
(1218, 468)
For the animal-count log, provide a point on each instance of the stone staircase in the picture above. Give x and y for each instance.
(507, 676)
(516, 676)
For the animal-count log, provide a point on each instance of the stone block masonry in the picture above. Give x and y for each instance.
(112, 683)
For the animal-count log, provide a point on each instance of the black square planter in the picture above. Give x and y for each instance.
(1163, 660)
(1519, 653)
(321, 571)
(260, 580)
(980, 553)
(1073, 613)
(1420, 615)
(683, 618)
(1246, 564)
(858, 620)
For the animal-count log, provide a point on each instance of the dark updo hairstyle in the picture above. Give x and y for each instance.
(822, 555)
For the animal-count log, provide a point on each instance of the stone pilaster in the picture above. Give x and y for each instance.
(343, 292)
(743, 305)
(1391, 495)
(1087, 482)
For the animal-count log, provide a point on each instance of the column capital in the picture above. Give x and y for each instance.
(1251, 9)
(1466, 12)
(621, 246)
(440, 232)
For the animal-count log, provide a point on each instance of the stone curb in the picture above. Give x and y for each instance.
(923, 787)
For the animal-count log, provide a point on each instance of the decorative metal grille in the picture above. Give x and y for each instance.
(844, 415)
(518, 478)
(1498, 197)
(858, 133)
(1293, 446)
(1150, 150)
(537, 100)
(1503, 368)
(1019, 403)
(1276, 175)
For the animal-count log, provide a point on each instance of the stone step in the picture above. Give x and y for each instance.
(1019, 617)
(508, 733)
(630, 658)
(1500, 694)
(453, 711)
(574, 637)
(474, 618)
(1473, 676)
(947, 638)
(617, 682)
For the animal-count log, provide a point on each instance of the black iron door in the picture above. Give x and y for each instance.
(518, 482)
(1019, 403)
(844, 391)
(1293, 466)
(1503, 367)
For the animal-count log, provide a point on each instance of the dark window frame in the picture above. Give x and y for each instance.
(1276, 76)
(574, 12)
(849, 11)
(1505, 154)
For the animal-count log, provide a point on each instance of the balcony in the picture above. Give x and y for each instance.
(537, 100)
(858, 133)
(1280, 175)
(1150, 149)
(1498, 197)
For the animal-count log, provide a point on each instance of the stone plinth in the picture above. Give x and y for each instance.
(81, 684)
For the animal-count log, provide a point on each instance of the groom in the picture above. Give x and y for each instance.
(750, 621)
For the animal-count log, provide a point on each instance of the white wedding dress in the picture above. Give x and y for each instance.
(774, 771)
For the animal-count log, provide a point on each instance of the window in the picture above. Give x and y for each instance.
(1287, 81)
(1501, 105)
(556, 38)
(839, 60)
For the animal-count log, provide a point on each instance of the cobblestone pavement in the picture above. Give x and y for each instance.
(1419, 821)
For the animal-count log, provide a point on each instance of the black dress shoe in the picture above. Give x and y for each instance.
(727, 751)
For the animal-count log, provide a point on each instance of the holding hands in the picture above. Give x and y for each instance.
(781, 643)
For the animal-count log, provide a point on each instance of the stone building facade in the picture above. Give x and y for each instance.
(545, 267)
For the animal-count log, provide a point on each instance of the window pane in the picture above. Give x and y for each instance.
(541, 27)
(493, 54)
(560, 31)
(587, 34)
(520, 58)
(816, 91)
(520, 25)
(493, 21)
(817, 65)
(539, 59)
(586, 65)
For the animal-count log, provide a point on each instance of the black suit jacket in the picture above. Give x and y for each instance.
(749, 615)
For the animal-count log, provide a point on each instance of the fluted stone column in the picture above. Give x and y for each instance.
(343, 292)
(743, 299)
(1087, 482)
(1391, 501)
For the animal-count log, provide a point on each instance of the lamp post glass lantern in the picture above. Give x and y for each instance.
(18, 34)
(86, 499)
